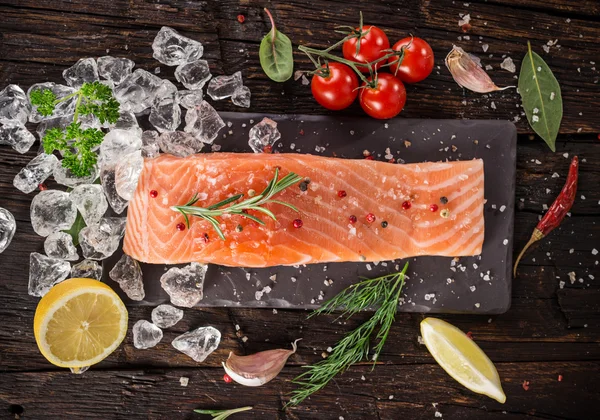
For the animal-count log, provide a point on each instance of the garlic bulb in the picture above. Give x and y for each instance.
(467, 72)
(259, 368)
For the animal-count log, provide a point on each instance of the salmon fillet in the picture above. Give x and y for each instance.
(326, 234)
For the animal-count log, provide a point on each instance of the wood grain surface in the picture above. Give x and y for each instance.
(549, 330)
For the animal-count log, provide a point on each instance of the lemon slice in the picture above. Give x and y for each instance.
(79, 322)
(461, 358)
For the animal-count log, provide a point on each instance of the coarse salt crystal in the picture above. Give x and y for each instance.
(502, 208)
(505, 242)
(535, 118)
(594, 251)
(472, 288)
(477, 305)
(184, 381)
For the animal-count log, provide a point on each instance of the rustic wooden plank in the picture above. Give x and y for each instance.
(90, 32)
(385, 394)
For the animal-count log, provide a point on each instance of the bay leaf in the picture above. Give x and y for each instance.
(541, 97)
(75, 228)
(276, 55)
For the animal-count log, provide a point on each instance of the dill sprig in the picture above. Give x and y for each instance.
(354, 347)
(74, 143)
(210, 213)
(222, 414)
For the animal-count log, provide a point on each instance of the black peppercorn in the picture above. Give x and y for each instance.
(444, 200)
(384, 224)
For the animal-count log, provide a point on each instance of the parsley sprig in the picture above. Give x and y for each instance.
(354, 347)
(77, 144)
(256, 202)
(222, 414)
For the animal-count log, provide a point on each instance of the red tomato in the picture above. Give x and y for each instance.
(371, 47)
(384, 101)
(338, 90)
(417, 63)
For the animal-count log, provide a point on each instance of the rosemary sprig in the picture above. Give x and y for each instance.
(222, 414)
(210, 213)
(354, 347)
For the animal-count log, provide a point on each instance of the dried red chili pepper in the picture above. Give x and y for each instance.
(557, 211)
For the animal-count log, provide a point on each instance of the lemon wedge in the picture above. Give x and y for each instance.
(79, 322)
(461, 358)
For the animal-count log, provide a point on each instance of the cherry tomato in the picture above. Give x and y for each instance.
(384, 101)
(417, 62)
(372, 45)
(338, 90)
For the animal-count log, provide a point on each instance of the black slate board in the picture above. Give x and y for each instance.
(436, 284)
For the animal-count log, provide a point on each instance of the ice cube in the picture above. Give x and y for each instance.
(189, 98)
(115, 69)
(146, 335)
(102, 240)
(89, 121)
(137, 91)
(84, 71)
(64, 176)
(87, 269)
(128, 274)
(63, 108)
(60, 245)
(150, 144)
(8, 226)
(90, 201)
(173, 49)
(51, 211)
(165, 114)
(166, 89)
(241, 97)
(14, 104)
(193, 75)
(118, 143)
(185, 285)
(127, 174)
(14, 134)
(165, 316)
(45, 272)
(263, 134)
(221, 87)
(60, 122)
(127, 121)
(203, 122)
(198, 343)
(178, 143)
(36, 172)
(108, 179)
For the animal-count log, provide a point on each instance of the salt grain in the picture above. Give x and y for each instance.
(505, 242)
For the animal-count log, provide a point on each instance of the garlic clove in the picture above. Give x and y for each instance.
(259, 368)
(467, 72)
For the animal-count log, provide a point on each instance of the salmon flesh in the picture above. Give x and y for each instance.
(418, 209)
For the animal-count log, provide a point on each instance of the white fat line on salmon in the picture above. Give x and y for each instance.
(354, 191)
(467, 236)
(441, 238)
(458, 212)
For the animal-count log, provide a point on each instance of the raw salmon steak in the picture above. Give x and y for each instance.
(418, 209)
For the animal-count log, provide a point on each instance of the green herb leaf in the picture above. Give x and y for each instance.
(44, 100)
(275, 53)
(354, 347)
(542, 100)
(75, 228)
(274, 187)
(222, 414)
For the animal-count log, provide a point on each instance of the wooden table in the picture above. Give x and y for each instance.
(549, 332)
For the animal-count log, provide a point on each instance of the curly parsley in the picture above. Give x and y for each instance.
(77, 144)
